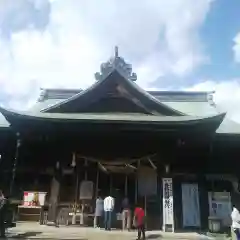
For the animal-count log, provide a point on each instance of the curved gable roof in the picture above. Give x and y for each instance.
(189, 124)
(115, 71)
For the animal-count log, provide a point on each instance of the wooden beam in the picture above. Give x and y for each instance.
(130, 166)
(152, 164)
(102, 167)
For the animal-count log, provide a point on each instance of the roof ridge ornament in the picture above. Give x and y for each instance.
(117, 63)
(116, 51)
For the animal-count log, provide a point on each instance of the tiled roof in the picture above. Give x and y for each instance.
(191, 103)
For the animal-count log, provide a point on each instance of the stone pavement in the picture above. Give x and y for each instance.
(36, 231)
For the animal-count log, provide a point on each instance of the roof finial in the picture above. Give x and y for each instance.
(116, 63)
(116, 51)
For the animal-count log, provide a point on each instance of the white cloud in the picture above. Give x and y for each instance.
(160, 37)
(227, 95)
(236, 47)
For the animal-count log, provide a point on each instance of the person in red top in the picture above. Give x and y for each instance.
(139, 221)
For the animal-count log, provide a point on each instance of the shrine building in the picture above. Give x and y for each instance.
(173, 151)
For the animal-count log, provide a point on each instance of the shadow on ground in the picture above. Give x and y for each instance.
(27, 234)
(12, 238)
(33, 235)
(153, 236)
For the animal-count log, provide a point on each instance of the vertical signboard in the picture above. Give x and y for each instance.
(168, 219)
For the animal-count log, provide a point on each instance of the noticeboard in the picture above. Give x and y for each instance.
(35, 199)
(86, 190)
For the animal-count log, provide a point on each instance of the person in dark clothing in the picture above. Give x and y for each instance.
(139, 221)
(2, 214)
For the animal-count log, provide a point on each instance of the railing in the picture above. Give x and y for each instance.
(63, 217)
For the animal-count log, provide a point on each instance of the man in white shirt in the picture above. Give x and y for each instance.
(236, 222)
(108, 205)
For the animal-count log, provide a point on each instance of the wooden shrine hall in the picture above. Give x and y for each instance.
(173, 151)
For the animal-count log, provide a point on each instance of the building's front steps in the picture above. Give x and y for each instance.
(35, 231)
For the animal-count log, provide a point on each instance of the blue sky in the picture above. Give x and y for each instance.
(217, 36)
(172, 44)
(217, 33)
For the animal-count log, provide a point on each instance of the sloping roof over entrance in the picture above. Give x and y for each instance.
(170, 124)
(108, 117)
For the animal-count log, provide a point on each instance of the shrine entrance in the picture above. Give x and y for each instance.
(136, 180)
(119, 181)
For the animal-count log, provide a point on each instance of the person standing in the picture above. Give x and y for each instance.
(98, 212)
(2, 214)
(108, 205)
(139, 221)
(235, 215)
(126, 214)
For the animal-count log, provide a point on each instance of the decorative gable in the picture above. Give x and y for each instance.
(114, 91)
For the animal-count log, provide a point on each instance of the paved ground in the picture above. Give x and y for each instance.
(36, 231)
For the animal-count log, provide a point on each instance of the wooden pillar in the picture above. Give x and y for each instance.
(126, 185)
(76, 180)
(111, 191)
(54, 194)
(145, 209)
(136, 188)
(16, 156)
(136, 182)
(97, 183)
(85, 169)
(83, 201)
